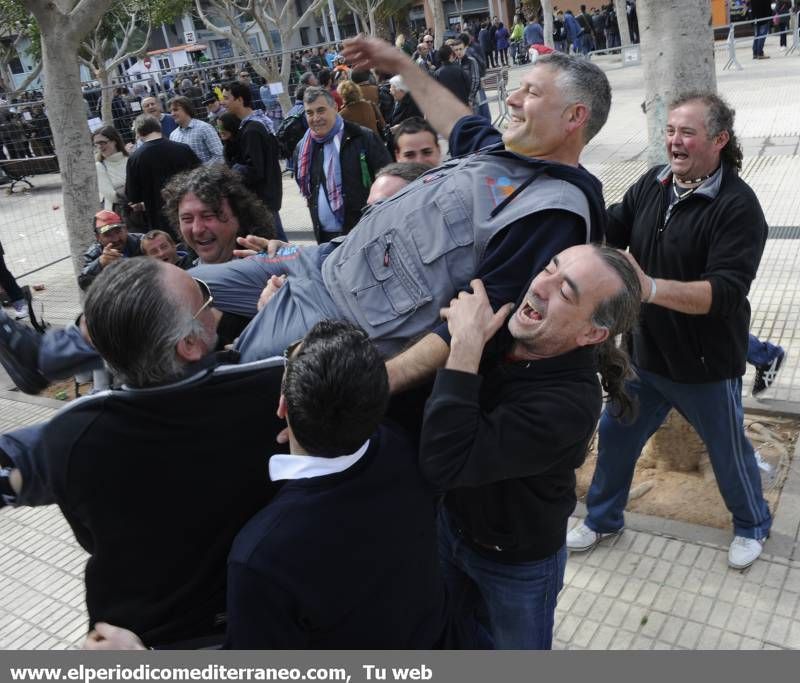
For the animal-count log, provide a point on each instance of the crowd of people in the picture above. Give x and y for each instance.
(371, 442)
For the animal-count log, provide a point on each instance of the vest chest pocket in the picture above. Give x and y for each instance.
(386, 283)
(441, 227)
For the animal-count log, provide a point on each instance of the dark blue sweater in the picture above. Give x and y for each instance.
(342, 561)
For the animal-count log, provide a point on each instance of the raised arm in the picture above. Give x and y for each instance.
(441, 107)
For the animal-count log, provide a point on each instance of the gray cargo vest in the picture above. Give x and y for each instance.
(409, 255)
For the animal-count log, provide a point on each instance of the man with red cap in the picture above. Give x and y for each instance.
(113, 242)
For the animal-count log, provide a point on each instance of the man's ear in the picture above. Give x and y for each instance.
(594, 335)
(282, 412)
(191, 348)
(578, 116)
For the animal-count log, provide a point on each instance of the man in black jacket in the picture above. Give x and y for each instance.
(335, 164)
(452, 76)
(503, 437)
(258, 159)
(150, 167)
(153, 507)
(695, 232)
(113, 242)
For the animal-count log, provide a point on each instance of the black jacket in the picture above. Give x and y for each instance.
(258, 160)
(452, 77)
(342, 561)
(91, 258)
(505, 445)
(404, 109)
(716, 234)
(150, 167)
(155, 488)
(356, 141)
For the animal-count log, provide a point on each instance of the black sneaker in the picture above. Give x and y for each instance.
(766, 374)
(19, 355)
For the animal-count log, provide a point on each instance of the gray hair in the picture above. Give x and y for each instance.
(398, 83)
(135, 323)
(314, 92)
(719, 117)
(581, 82)
(146, 124)
(618, 314)
(408, 171)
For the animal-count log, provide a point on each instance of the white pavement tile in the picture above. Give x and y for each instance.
(709, 638)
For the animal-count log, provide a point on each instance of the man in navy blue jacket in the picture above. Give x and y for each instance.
(345, 555)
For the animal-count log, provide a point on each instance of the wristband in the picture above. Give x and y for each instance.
(653, 290)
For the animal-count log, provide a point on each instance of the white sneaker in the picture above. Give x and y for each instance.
(581, 538)
(744, 551)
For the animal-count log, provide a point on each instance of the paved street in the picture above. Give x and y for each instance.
(660, 584)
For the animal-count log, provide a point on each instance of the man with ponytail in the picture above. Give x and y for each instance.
(696, 232)
(508, 422)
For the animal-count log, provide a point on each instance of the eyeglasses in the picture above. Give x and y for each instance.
(205, 290)
(288, 352)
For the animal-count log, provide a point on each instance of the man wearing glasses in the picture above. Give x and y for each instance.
(154, 491)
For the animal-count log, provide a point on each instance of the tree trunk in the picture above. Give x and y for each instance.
(677, 46)
(286, 66)
(372, 23)
(107, 94)
(621, 8)
(439, 25)
(675, 447)
(62, 88)
(547, 12)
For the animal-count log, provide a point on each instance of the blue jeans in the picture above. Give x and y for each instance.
(761, 352)
(715, 411)
(514, 602)
(762, 29)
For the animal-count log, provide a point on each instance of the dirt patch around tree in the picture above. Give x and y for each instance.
(65, 390)
(692, 496)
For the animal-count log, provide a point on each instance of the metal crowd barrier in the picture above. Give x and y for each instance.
(497, 79)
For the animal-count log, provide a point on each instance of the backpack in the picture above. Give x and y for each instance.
(290, 131)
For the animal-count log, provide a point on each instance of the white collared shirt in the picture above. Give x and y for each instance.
(287, 466)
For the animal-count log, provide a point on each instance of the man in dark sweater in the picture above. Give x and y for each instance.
(504, 436)
(345, 555)
(151, 166)
(258, 159)
(695, 232)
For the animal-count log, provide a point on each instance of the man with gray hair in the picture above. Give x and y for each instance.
(404, 105)
(136, 471)
(696, 232)
(335, 163)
